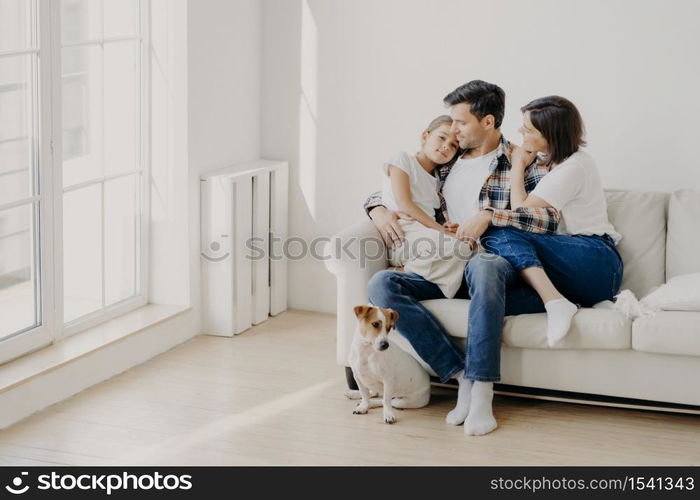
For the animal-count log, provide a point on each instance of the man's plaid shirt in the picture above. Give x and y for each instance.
(495, 196)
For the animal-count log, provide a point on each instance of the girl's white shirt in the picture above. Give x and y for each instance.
(423, 185)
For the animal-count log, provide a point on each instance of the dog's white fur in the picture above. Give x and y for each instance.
(378, 369)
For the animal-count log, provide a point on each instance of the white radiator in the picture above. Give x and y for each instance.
(243, 229)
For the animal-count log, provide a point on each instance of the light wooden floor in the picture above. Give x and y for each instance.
(274, 395)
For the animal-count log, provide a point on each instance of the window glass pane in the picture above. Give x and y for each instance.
(82, 114)
(121, 107)
(82, 252)
(16, 124)
(14, 24)
(18, 305)
(81, 20)
(121, 17)
(121, 208)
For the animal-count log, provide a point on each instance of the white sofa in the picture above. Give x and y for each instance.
(653, 359)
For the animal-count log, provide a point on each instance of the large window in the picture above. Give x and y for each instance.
(73, 166)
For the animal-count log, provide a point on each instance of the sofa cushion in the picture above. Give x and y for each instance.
(683, 241)
(641, 219)
(591, 328)
(668, 332)
(453, 314)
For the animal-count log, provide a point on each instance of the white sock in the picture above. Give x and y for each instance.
(461, 410)
(481, 420)
(559, 315)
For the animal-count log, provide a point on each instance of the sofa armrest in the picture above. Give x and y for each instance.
(353, 255)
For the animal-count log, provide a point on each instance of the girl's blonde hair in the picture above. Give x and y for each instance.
(440, 120)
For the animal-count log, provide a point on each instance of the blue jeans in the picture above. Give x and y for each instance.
(496, 290)
(585, 269)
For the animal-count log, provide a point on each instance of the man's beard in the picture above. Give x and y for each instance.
(475, 142)
(467, 147)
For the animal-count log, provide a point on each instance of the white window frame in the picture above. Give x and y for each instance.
(45, 19)
(127, 305)
(28, 340)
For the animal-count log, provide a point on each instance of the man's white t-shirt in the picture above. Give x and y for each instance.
(424, 186)
(574, 188)
(463, 186)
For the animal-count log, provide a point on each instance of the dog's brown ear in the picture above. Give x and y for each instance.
(361, 311)
(393, 318)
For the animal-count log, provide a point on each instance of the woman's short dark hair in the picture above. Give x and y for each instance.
(483, 98)
(560, 124)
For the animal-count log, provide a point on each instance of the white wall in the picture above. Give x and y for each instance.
(346, 84)
(224, 82)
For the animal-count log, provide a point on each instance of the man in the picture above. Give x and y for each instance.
(475, 194)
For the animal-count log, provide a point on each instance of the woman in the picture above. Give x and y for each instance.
(582, 259)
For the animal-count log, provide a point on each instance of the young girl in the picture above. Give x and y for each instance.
(409, 186)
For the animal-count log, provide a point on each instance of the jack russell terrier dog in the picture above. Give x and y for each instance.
(380, 367)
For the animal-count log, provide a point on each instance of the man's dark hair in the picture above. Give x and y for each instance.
(560, 124)
(483, 98)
